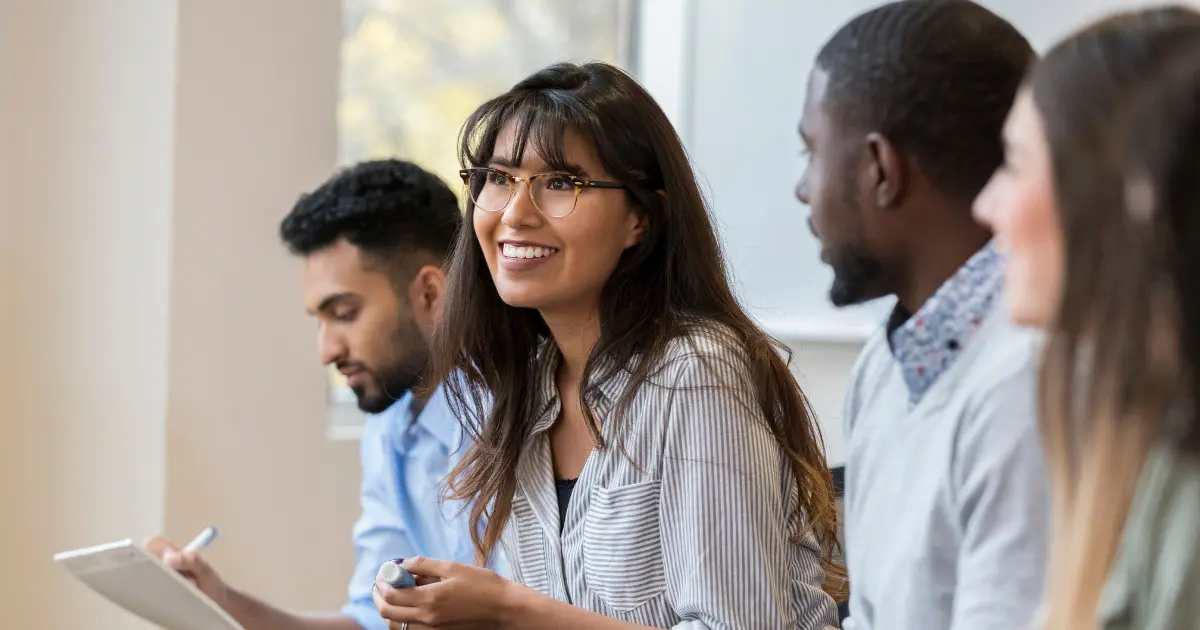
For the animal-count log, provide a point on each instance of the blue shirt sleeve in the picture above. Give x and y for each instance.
(379, 533)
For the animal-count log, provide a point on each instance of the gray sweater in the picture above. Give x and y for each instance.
(946, 500)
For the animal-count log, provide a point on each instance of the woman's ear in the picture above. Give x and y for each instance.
(637, 223)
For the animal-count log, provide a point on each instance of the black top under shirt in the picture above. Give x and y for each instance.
(563, 488)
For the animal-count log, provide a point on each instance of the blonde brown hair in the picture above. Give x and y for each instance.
(1112, 370)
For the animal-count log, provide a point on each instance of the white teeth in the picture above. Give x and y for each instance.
(513, 251)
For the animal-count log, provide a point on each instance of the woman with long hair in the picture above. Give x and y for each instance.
(1096, 260)
(641, 452)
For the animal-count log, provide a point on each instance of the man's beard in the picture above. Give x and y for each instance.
(409, 361)
(857, 277)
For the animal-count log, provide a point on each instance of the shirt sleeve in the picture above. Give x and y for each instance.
(1002, 498)
(730, 563)
(379, 533)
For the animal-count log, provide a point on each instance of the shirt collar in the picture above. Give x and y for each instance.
(438, 419)
(435, 417)
(549, 405)
(926, 343)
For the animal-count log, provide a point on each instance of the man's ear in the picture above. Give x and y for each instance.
(426, 293)
(886, 171)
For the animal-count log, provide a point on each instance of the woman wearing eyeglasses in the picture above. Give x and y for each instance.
(640, 450)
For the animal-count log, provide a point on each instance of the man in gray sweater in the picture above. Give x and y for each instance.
(946, 492)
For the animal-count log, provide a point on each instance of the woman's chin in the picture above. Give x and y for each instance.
(522, 297)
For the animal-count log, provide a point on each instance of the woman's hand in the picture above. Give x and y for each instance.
(447, 595)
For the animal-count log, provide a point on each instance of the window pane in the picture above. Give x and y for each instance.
(413, 70)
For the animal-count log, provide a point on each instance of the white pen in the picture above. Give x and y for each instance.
(202, 540)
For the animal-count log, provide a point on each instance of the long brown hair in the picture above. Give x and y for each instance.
(1162, 160)
(1111, 371)
(486, 351)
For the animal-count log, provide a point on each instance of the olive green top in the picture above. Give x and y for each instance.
(1155, 579)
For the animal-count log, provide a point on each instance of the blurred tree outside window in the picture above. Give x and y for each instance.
(413, 70)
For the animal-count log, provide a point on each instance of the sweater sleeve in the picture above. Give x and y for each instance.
(1002, 502)
(1155, 584)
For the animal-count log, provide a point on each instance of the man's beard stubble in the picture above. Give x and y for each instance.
(408, 362)
(857, 277)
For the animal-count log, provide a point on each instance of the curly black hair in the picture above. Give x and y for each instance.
(391, 210)
(936, 77)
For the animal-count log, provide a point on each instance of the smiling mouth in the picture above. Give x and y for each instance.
(518, 252)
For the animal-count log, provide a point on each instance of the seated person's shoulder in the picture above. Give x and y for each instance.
(1169, 492)
(1007, 350)
(705, 350)
(875, 361)
(1159, 561)
(1004, 373)
(998, 419)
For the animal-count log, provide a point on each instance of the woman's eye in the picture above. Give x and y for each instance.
(559, 183)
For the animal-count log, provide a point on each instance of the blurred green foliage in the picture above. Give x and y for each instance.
(413, 70)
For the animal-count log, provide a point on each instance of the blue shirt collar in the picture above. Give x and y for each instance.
(926, 343)
(436, 417)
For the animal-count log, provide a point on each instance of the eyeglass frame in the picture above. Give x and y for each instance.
(580, 184)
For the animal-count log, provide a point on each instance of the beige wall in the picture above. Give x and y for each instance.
(8, 302)
(156, 384)
(246, 443)
(88, 203)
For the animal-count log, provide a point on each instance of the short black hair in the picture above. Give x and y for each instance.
(389, 209)
(935, 77)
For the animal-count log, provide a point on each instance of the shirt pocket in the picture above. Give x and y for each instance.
(622, 545)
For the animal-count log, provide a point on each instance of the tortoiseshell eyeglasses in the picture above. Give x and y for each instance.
(554, 194)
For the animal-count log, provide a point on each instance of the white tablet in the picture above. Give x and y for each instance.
(137, 581)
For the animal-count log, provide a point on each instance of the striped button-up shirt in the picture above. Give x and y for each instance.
(686, 518)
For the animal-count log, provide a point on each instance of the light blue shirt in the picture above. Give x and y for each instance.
(405, 461)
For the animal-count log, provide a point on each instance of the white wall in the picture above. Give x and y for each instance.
(732, 74)
(246, 446)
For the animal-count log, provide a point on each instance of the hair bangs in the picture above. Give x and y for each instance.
(540, 123)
